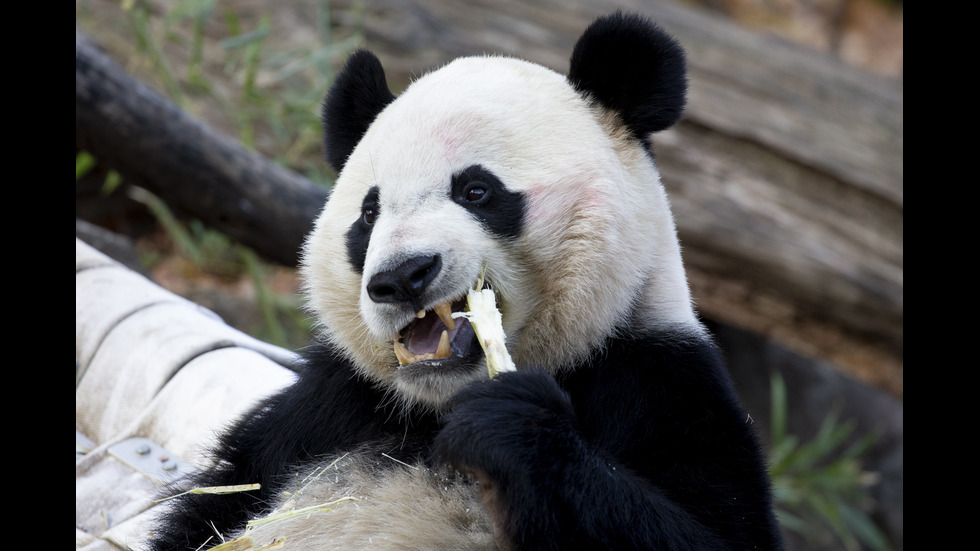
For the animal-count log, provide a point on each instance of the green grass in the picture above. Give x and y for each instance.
(819, 485)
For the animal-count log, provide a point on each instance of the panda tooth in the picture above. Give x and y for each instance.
(445, 313)
(404, 356)
(420, 314)
(444, 350)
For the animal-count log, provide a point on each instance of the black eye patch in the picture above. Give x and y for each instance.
(359, 234)
(480, 192)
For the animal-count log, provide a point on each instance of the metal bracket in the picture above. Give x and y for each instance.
(151, 459)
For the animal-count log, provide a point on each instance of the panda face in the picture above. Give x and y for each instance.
(500, 164)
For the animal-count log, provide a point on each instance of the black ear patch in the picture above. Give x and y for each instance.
(632, 66)
(358, 94)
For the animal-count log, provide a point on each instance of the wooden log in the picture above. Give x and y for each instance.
(197, 171)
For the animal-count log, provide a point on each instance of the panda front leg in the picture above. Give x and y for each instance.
(544, 484)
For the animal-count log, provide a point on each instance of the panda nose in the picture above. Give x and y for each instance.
(406, 282)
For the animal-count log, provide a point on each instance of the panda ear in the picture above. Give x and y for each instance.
(358, 94)
(632, 66)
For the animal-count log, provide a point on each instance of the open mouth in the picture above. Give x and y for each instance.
(435, 336)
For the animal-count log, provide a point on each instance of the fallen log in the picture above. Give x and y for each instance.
(195, 170)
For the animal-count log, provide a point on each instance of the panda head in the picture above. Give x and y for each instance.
(544, 180)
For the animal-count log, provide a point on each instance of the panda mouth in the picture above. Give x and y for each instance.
(434, 336)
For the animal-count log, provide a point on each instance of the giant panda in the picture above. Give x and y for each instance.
(620, 427)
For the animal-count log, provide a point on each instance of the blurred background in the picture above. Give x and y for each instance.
(199, 163)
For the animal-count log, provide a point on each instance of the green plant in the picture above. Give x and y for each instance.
(84, 162)
(819, 485)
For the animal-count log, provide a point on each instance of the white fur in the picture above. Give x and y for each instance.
(366, 500)
(599, 238)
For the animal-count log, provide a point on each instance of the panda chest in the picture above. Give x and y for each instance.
(357, 503)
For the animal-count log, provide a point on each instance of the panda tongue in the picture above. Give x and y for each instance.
(425, 335)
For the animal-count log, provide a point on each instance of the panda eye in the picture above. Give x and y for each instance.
(477, 193)
(368, 214)
(369, 207)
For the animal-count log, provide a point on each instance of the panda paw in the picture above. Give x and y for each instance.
(515, 425)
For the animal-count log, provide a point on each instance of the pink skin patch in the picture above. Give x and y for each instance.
(450, 142)
(546, 203)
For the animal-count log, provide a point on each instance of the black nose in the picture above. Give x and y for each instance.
(406, 282)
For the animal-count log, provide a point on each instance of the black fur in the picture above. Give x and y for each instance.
(633, 67)
(359, 234)
(499, 209)
(644, 447)
(358, 94)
